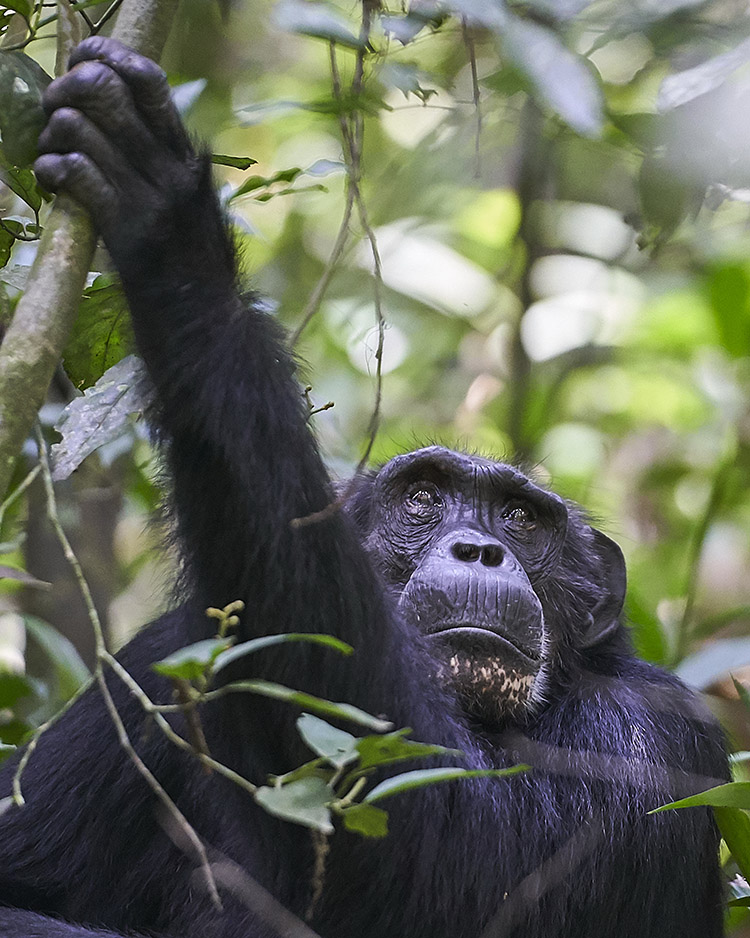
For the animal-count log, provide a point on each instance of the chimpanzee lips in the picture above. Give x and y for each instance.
(483, 641)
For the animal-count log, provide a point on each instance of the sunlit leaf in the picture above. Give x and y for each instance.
(319, 20)
(11, 573)
(238, 162)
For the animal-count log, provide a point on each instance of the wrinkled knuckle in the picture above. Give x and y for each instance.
(146, 71)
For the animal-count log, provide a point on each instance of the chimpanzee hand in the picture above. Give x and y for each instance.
(115, 143)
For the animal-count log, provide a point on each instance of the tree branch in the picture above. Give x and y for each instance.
(46, 312)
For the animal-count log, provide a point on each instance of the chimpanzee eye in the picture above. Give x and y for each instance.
(520, 515)
(423, 496)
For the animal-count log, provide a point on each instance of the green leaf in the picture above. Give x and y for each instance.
(22, 117)
(266, 641)
(12, 688)
(392, 747)
(21, 181)
(734, 825)
(561, 78)
(366, 819)
(7, 240)
(238, 162)
(19, 6)
(419, 778)
(5, 751)
(743, 901)
(319, 20)
(328, 708)
(98, 416)
(70, 671)
(744, 694)
(305, 802)
(336, 746)
(102, 335)
(253, 183)
(191, 662)
(731, 795)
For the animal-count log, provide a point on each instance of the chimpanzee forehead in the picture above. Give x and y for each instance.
(468, 472)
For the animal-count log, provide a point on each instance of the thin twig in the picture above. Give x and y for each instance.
(103, 657)
(472, 52)
(18, 491)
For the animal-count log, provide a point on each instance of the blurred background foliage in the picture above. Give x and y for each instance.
(558, 192)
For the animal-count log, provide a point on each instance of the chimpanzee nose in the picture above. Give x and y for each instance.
(490, 554)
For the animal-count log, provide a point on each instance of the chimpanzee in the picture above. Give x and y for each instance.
(485, 613)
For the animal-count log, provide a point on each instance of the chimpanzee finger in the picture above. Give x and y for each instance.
(76, 175)
(148, 84)
(69, 131)
(95, 90)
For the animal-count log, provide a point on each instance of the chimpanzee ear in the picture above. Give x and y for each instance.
(604, 618)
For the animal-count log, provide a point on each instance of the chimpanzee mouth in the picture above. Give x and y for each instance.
(482, 642)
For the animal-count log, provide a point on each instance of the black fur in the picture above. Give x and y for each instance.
(565, 851)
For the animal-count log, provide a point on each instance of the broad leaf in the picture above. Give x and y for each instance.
(102, 335)
(315, 19)
(99, 416)
(69, 668)
(191, 662)
(267, 641)
(678, 89)
(336, 746)
(326, 708)
(734, 825)
(365, 819)
(12, 688)
(304, 802)
(22, 117)
(392, 747)
(420, 778)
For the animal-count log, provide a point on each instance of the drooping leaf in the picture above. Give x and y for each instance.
(683, 87)
(734, 825)
(559, 77)
(11, 573)
(193, 661)
(70, 671)
(102, 334)
(310, 18)
(99, 416)
(267, 641)
(366, 819)
(420, 778)
(304, 802)
(7, 240)
(21, 181)
(393, 747)
(731, 795)
(336, 746)
(326, 708)
(22, 117)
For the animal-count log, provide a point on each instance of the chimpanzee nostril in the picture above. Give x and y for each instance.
(466, 552)
(492, 555)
